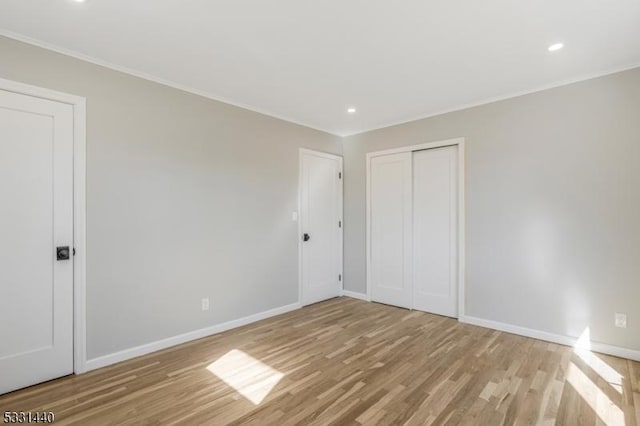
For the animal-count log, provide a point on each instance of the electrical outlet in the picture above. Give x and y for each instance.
(205, 304)
(621, 320)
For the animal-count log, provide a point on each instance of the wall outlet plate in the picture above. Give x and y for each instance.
(205, 304)
(621, 320)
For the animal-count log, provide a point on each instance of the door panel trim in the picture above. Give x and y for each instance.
(461, 211)
(301, 153)
(79, 208)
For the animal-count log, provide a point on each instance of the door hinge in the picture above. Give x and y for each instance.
(339, 175)
(339, 224)
(339, 277)
(74, 251)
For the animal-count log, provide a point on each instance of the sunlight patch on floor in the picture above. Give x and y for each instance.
(599, 402)
(250, 377)
(604, 370)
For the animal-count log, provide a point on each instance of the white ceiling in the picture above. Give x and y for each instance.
(307, 61)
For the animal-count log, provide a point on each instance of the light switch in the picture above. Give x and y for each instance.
(294, 216)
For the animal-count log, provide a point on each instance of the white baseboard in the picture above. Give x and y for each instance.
(137, 351)
(145, 349)
(551, 337)
(355, 295)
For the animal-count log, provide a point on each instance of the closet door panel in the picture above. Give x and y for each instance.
(435, 230)
(391, 246)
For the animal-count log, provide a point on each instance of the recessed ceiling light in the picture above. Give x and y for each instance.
(351, 110)
(555, 46)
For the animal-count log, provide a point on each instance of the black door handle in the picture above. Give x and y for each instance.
(62, 253)
(306, 237)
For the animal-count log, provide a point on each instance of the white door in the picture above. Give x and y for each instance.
(36, 217)
(390, 213)
(435, 230)
(320, 226)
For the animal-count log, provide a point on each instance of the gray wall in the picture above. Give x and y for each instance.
(186, 198)
(552, 206)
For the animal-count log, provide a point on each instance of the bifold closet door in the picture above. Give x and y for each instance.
(390, 232)
(435, 230)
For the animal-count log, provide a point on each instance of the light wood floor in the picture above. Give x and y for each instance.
(343, 362)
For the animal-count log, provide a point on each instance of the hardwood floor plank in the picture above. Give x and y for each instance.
(345, 361)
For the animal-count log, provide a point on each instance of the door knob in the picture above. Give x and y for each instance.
(62, 253)
(306, 237)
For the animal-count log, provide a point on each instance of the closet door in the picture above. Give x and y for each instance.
(390, 232)
(435, 230)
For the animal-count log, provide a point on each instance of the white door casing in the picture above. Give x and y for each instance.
(435, 230)
(36, 189)
(391, 229)
(321, 221)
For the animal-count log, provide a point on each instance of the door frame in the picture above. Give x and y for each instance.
(459, 142)
(301, 152)
(78, 104)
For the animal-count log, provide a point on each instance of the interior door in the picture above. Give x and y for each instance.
(36, 218)
(391, 229)
(321, 226)
(435, 230)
